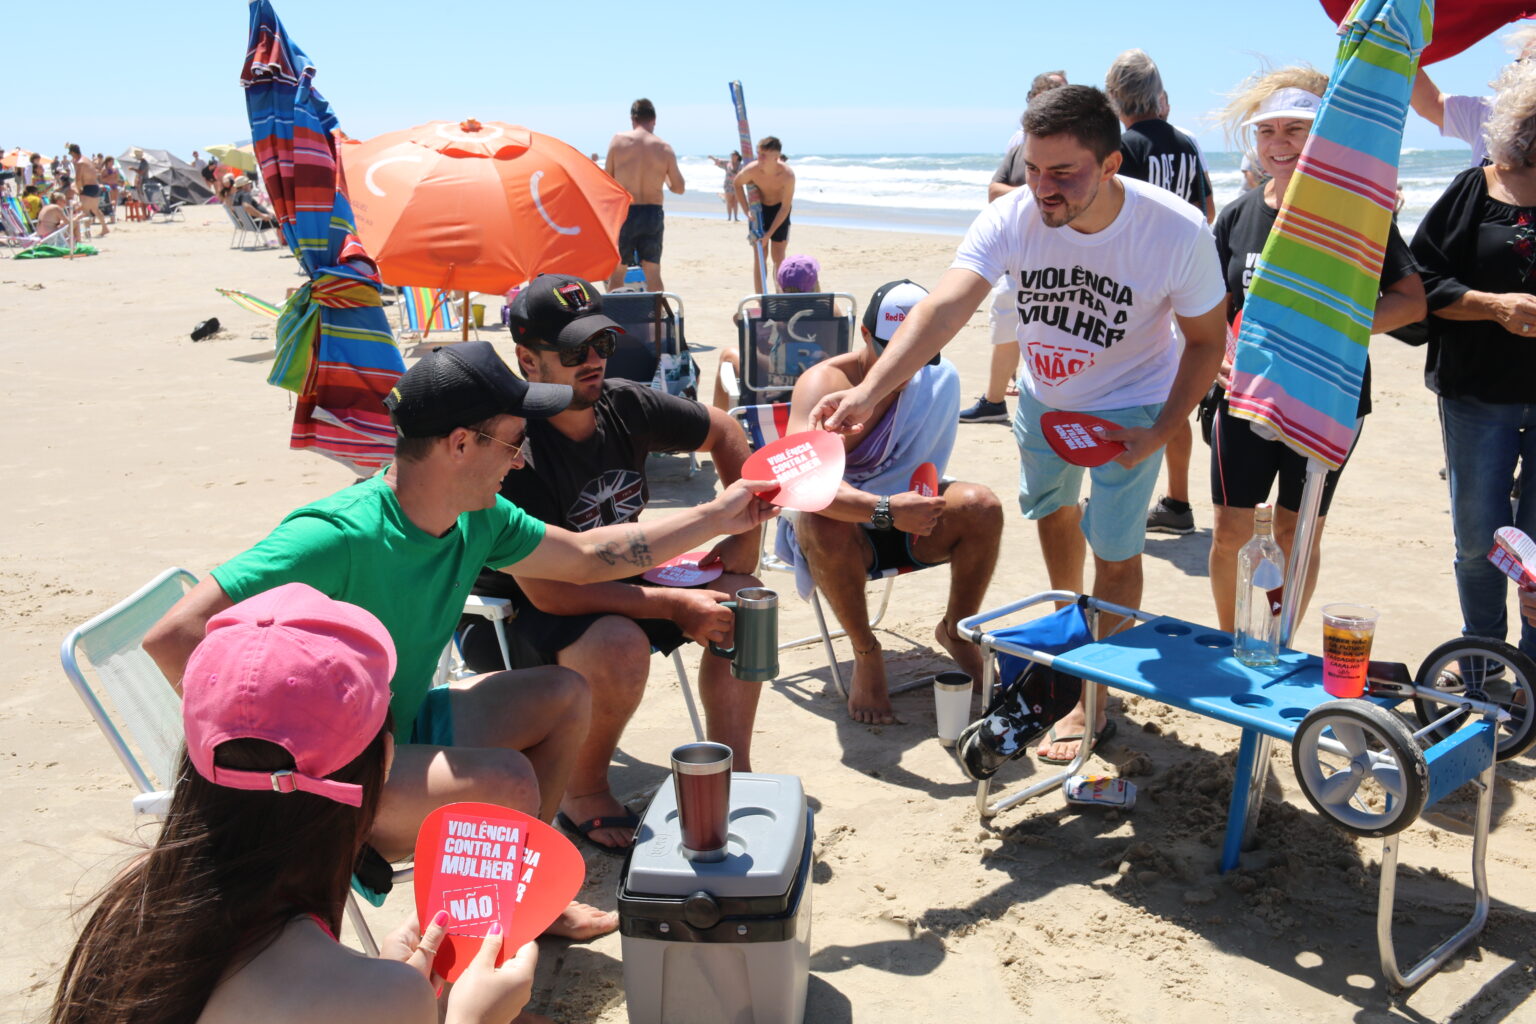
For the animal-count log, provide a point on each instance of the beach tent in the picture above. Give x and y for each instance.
(170, 170)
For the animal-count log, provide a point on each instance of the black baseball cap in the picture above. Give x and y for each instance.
(462, 384)
(558, 311)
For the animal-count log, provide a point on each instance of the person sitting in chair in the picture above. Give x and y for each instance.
(878, 524)
(585, 469)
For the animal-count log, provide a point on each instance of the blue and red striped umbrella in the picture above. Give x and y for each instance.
(334, 347)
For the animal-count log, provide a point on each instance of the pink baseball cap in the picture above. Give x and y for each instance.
(294, 668)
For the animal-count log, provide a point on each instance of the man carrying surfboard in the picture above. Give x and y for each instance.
(891, 514)
(585, 469)
(775, 182)
(1105, 267)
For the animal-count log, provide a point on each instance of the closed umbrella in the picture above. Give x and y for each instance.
(481, 206)
(1307, 318)
(334, 347)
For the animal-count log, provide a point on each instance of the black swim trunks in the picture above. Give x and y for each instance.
(90, 191)
(893, 553)
(640, 237)
(770, 212)
(536, 638)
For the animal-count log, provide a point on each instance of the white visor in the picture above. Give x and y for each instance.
(1287, 103)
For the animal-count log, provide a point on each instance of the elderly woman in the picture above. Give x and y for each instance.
(1277, 108)
(1477, 246)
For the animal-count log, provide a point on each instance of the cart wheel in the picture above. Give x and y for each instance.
(1469, 667)
(1358, 764)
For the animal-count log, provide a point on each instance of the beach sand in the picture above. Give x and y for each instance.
(130, 449)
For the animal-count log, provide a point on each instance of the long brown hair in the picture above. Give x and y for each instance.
(229, 869)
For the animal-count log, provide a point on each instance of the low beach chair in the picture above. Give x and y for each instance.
(652, 349)
(166, 206)
(245, 229)
(423, 310)
(765, 424)
(21, 233)
(137, 709)
(779, 337)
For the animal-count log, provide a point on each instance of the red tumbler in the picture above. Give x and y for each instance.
(701, 775)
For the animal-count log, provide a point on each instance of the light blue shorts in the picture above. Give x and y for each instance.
(1115, 521)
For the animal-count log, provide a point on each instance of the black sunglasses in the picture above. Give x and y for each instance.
(604, 343)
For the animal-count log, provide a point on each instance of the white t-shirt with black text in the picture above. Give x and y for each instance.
(1095, 311)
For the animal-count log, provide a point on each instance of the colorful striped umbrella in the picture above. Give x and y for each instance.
(1307, 318)
(334, 347)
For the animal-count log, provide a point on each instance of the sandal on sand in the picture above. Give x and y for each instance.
(584, 830)
(1101, 737)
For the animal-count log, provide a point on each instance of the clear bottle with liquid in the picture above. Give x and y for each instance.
(1260, 588)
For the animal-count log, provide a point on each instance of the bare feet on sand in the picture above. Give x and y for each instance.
(602, 804)
(967, 656)
(869, 699)
(581, 922)
(1071, 725)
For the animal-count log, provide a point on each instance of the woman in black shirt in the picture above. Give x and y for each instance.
(1477, 246)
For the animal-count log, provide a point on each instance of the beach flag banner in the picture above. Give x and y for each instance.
(808, 467)
(684, 571)
(1307, 317)
(754, 197)
(1075, 437)
(334, 347)
(485, 865)
(247, 301)
(1458, 23)
(925, 480)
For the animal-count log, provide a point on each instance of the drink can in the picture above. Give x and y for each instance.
(1099, 790)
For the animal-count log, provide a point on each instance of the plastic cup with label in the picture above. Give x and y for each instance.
(1347, 633)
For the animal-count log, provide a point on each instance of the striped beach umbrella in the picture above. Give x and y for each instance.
(245, 300)
(334, 347)
(1307, 317)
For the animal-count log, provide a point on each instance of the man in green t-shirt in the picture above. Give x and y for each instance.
(407, 544)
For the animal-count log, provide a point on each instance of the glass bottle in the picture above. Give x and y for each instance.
(1260, 587)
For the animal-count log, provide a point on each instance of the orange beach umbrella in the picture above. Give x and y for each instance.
(478, 206)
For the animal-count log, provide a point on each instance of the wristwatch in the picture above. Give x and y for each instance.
(880, 519)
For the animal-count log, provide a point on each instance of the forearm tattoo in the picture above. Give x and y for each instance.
(635, 550)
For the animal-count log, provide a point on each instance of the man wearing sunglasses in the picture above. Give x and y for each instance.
(584, 469)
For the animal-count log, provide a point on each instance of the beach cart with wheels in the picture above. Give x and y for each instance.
(1357, 761)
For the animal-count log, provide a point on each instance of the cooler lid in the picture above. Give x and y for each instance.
(767, 838)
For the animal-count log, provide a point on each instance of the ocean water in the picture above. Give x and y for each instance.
(943, 192)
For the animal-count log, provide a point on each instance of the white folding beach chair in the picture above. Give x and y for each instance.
(137, 709)
(245, 227)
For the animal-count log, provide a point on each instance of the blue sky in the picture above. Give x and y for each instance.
(852, 77)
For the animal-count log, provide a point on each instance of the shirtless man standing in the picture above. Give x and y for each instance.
(642, 163)
(776, 182)
(88, 178)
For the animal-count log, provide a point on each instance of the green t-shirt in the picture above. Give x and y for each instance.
(358, 546)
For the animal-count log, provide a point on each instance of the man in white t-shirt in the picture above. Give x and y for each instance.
(1462, 117)
(1097, 304)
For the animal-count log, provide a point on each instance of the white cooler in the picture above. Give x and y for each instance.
(723, 942)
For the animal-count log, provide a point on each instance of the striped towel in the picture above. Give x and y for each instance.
(1307, 318)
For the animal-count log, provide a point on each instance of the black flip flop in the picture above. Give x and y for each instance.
(583, 831)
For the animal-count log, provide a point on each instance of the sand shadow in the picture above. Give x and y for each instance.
(1302, 903)
(1190, 553)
